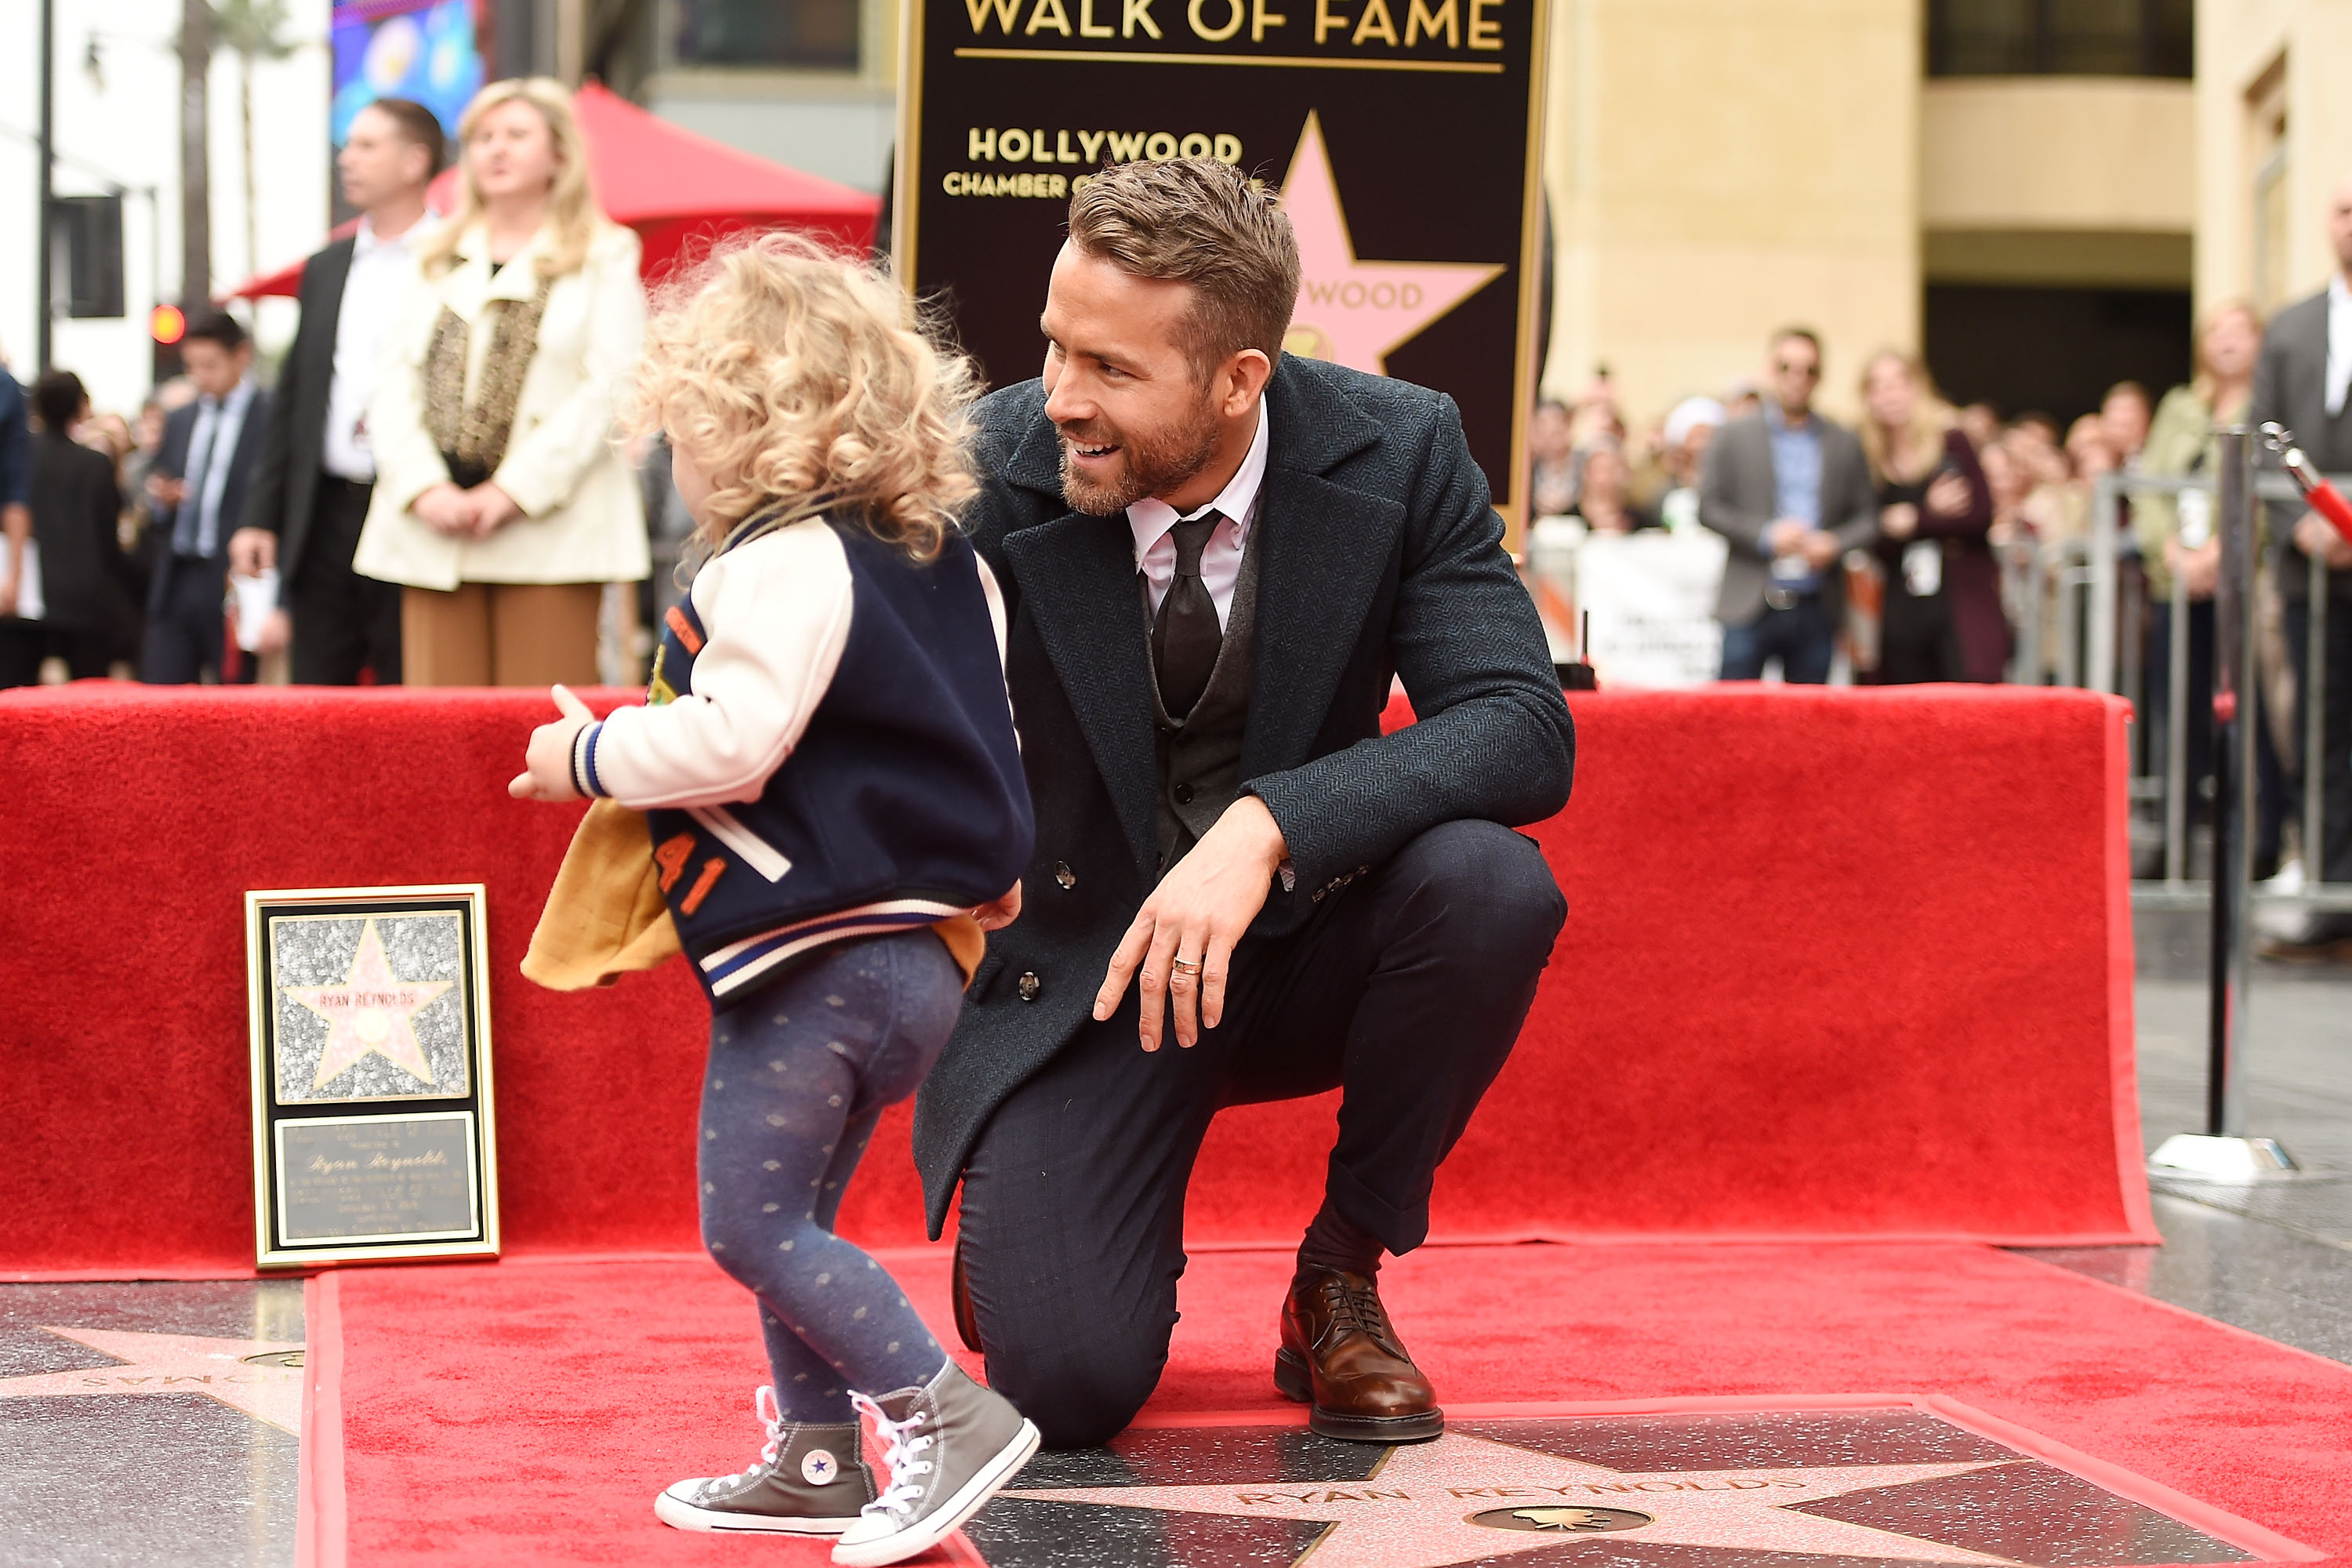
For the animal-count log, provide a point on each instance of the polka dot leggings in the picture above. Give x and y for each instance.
(799, 1073)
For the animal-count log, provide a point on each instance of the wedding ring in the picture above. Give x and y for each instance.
(1185, 965)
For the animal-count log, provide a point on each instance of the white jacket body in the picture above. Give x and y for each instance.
(584, 515)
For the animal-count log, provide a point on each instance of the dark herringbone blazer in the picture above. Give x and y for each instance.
(1380, 556)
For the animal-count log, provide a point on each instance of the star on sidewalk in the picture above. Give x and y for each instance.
(261, 1377)
(1465, 1499)
(370, 1011)
(1355, 313)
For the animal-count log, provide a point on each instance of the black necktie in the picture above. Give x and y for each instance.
(1185, 635)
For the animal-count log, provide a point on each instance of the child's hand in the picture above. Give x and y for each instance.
(1001, 911)
(547, 763)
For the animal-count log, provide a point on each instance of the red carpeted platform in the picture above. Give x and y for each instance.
(1838, 963)
(526, 1415)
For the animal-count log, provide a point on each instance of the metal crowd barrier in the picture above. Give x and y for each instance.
(2081, 613)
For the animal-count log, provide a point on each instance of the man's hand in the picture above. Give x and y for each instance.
(1193, 920)
(493, 508)
(1001, 911)
(251, 551)
(1786, 536)
(165, 490)
(2315, 535)
(547, 761)
(1819, 548)
(445, 509)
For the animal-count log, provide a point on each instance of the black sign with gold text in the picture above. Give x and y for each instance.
(1403, 135)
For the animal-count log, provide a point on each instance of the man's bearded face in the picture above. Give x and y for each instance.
(1106, 469)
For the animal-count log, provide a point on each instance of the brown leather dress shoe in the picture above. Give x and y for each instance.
(1341, 1359)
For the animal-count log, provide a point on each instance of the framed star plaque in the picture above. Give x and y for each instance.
(371, 1120)
(1404, 136)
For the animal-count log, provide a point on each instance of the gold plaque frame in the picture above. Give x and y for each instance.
(277, 1243)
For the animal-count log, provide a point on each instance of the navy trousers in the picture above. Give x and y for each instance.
(1406, 991)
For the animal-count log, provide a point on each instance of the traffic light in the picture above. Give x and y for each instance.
(167, 324)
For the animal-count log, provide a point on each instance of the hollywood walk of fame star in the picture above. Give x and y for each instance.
(268, 1389)
(1421, 1507)
(1355, 313)
(370, 1011)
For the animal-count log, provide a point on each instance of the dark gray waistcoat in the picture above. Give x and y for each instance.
(1200, 758)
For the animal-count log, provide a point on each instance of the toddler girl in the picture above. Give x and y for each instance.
(827, 761)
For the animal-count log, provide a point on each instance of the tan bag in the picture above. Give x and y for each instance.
(605, 915)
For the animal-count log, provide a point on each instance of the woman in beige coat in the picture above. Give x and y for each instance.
(501, 502)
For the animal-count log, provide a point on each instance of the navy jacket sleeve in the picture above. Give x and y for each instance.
(1493, 739)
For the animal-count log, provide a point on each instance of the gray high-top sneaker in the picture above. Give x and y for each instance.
(809, 1480)
(950, 1445)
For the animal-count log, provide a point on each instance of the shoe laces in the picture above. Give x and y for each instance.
(764, 1407)
(901, 1445)
(1357, 1307)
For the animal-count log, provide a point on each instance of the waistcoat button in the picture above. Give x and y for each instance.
(1064, 875)
(1030, 986)
(1183, 794)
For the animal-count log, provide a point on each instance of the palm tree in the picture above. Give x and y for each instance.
(195, 156)
(253, 30)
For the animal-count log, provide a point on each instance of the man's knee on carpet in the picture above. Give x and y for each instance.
(1080, 1390)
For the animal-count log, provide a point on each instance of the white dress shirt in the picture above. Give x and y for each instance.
(2339, 343)
(1220, 558)
(380, 270)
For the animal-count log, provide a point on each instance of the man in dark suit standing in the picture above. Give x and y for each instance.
(2302, 381)
(1214, 556)
(1790, 492)
(199, 482)
(311, 491)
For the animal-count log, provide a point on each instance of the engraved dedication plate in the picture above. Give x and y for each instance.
(371, 1075)
(346, 1179)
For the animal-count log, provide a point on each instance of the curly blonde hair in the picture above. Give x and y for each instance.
(801, 382)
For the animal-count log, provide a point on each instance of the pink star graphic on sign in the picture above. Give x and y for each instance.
(261, 1377)
(1355, 313)
(1467, 1500)
(370, 1011)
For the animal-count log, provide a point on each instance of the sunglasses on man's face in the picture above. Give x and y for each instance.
(1808, 371)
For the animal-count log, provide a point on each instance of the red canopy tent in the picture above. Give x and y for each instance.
(671, 186)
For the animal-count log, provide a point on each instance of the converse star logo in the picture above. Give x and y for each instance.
(819, 1468)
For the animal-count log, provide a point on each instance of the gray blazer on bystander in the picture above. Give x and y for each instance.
(1738, 498)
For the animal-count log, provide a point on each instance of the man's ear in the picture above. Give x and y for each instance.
(1245, 376)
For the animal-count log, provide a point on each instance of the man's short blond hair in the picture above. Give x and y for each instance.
(1198, 221)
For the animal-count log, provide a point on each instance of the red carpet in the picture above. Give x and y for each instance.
(1837, 963)
(526, 1415)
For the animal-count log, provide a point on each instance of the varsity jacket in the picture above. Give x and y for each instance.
(826, 749)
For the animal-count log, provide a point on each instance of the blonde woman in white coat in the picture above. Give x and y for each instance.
(501, 502)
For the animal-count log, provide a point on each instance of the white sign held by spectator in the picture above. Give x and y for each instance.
(1652, 599)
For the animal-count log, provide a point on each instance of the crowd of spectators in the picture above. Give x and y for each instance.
(355, 521)
(1915, 591)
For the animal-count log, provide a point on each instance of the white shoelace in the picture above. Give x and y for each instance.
(764, 1407)
(899, 1454)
